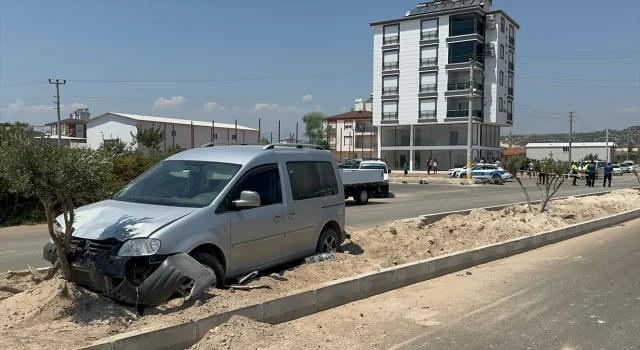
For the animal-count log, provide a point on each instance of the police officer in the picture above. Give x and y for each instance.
(574, 173)
(591, 170)
(608, 171)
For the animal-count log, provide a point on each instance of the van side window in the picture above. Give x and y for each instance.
(312, 180)
(265, 180)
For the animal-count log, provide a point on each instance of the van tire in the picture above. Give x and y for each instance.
(361, 196)
(328, 237)
(211, 262)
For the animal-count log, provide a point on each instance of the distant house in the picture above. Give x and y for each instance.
(72, 130)
(579, 150)
(352, 134)
(114, 127)
(514, 151)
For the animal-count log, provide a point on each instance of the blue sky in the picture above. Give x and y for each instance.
(324, 47)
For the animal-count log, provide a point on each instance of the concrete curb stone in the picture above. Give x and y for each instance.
(341, 292)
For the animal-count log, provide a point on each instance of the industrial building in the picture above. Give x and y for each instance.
(579, 150)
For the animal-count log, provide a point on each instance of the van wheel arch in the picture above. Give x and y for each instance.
(214, 251)
(336, 228)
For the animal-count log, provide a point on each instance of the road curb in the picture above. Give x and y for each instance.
(340, 292)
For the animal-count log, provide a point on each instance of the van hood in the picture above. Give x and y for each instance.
(123, 220)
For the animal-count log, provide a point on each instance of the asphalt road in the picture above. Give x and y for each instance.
(22, 246)
(580, 294)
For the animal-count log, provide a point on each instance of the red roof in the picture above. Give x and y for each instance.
(353, 115)
(515, 151)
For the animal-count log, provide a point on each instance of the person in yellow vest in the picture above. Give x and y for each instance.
(542, 175)
(574, 173)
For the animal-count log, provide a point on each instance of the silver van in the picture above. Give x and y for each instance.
(205, 215)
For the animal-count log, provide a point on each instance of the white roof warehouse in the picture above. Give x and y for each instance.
(579, 150)
(181, 132)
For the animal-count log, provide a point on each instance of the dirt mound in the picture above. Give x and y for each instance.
(12, 283)
(238, 333)
(57, 299)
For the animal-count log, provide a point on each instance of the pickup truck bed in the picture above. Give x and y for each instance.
(362, 184)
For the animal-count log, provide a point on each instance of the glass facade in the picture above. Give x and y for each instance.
(466, 24)
(394, 136)
(395, 159)
(462, 51)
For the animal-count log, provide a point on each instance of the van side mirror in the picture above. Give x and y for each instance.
(248, 199)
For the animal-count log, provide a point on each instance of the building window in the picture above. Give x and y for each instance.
(427, 108)
(510, 86)
(390, 85)
(429, 29)
(233, 137)
(565, 149)
(390, 110)
(510, 110)
(215, 136)
(511, 66)
(390, 60)
(512, 33)
(348, 140)
(461, 52)
(501, 78)
(502, 24)
(311, 180)
(348, 125)
(391, 34)
(393, 136)
(428, 82)
(501, 51)
(500, 104)
(466, 24)
(428, 56)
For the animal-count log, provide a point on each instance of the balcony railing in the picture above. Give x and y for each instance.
(390, 65)
(463, 113)
(390, 91)
(464, 86)
(431, 35)
(366, 145)
(429, 62)
(510, 91)
(512, 41)
(511, 66)
(391, 40)
(427, 114)
(510, 116)
(390, 116)
(366, 128)
(428, 88)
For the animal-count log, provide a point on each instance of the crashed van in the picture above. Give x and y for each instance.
(203, 216)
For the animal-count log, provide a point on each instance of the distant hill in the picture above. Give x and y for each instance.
(621, 137)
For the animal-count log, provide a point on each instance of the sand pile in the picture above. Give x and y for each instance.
(238, 333)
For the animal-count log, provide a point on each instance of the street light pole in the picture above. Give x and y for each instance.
(472, 62)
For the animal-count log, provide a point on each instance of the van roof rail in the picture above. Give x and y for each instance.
(293, 145)
(212, 144)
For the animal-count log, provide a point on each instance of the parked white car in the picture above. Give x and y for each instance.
(455, 172)
(489, 171)
(618, 169)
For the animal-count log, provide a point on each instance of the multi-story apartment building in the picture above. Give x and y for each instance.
(352, 134)
(422, 82)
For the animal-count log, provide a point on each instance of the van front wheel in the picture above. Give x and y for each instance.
(210, 262)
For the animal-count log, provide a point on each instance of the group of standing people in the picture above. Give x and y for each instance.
(590, 171)
(432, 165)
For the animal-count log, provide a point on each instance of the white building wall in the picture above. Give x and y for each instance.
(110, 127)
(409, 75)
(443, 59)
(377, 73)
(577, 153)
(492, 88)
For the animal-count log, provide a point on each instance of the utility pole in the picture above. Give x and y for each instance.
(606, 142)
(472, 62)
(570, 134)
(57, 96)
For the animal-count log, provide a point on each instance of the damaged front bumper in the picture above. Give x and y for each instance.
(144, 280)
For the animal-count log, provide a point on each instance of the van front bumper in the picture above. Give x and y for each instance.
(144, 280)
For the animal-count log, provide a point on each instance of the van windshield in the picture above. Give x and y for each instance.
(179, 183)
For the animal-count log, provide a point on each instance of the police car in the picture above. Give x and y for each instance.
(489, 171)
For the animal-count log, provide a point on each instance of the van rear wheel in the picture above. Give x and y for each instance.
(328, 241)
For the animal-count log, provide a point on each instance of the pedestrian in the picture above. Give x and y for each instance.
(429, 166)
(608, 171)
(574, 173)
(542, 175)
(406, 168)
(591, 168)
(529, 169)
(435, 165)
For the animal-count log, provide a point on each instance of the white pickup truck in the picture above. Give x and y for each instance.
(361, 184)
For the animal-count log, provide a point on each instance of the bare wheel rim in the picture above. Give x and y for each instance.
(364, 196)
(329, 244)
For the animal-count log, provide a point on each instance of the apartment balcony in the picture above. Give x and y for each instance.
(366, 145)
(390, 118)
(390, 66)
(463, 113)
(512, 41)
(390, 91)
(462, 89)
(391, 40)
(428, 64)
(511, 66)
(510, 91)
(510, 117)
(366, 129)
(426, 88)
(431, 35)
(428, 115)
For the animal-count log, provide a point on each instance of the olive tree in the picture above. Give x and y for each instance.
(151, 138)
(61, 178)
(555, 172)
(513, 165)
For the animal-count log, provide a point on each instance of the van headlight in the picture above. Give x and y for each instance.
(139, 247)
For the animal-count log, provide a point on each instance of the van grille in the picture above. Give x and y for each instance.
(106, 246)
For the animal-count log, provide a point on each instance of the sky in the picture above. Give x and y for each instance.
(222, 60)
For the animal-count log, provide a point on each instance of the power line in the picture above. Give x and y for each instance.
(538, 110)
(26, 99)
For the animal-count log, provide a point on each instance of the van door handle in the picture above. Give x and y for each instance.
(277, 218)
(292, 215)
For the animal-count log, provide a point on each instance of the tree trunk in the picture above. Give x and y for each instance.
(62, 261)
(526, 194)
